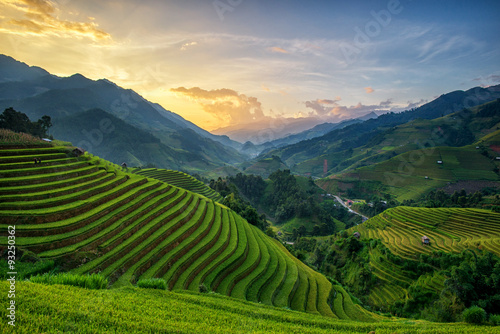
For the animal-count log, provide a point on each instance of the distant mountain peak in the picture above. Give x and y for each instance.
(368, 116)
(12, 70)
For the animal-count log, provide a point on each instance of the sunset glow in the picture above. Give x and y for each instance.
(219, 65)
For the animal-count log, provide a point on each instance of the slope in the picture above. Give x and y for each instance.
(108, 136)
(354, 141)
(51, 309)
(411, 159)
(40, 93)
(91, 216)
(181, 180)
(450, 230)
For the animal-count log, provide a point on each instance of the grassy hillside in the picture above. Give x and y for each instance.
(414, 173)
(52, 309)
(263, 167)
(181, 180)
(389, 268)
(379, 139)
(403, 161)
(91, 216)
(450, 230)
(458, 129)
(108, 136)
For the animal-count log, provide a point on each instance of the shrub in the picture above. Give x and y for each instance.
(495, 319)
(474, 315)
(93, 281)
(203, 288)
(152, 283)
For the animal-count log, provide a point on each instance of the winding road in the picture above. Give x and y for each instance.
(348, 208)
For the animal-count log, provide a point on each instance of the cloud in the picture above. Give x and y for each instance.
(494, 78)
(276, 49)
(447, 48)
(369, 90)
(185, 46)
(327, 108)
(227, 105)
(39, 17)
(386, 103)
(412, 105)
(322, 107)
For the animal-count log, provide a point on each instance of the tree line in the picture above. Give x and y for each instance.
(20, 122)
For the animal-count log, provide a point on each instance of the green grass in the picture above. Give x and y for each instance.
(93, 281)
(181, 180)
(99, 218)
(451, 230)
(52, 309)
(152, 283)
(404, 176)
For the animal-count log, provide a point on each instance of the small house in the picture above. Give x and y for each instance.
(426, 240)
(78, 151)
(356, 235)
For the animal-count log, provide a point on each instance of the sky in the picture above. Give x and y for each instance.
(220, 63)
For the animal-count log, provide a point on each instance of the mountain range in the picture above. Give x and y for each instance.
(85, 112)
(343, 147)
(119, 125)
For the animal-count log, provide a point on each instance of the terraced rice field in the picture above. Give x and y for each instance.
(413, 173)
(89, 214)
(401, 229)
(449, 229)
(181, 180)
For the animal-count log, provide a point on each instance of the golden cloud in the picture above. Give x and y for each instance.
(369, 90)
(38, 17)
(225, 104)
(276, 49)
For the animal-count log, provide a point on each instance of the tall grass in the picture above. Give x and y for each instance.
(14, 138)
(93, 281)
(152, 283)
(26, 269)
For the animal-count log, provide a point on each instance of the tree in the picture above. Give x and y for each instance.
(20, 122)
(15, 121)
